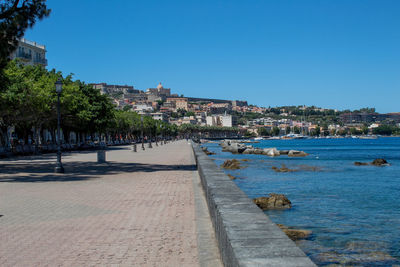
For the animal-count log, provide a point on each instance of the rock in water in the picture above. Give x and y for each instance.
(295, 234)
(379, 162)
(283, 169)
(274, 201)
(296, 153)
(376, 162)
(205, 150)
(283, 152)
(231, 176)
(231, 164)
(272, 152)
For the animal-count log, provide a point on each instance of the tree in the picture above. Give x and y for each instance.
(354, 131)
(275, 131)
(127, 108)
(15, 17)
(384, 130)
(262, 131)
(316, 131)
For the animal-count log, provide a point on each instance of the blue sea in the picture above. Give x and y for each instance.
(352, 211)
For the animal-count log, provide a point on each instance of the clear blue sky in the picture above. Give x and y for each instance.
(331, 53)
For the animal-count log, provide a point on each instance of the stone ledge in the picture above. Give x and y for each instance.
(245, 235)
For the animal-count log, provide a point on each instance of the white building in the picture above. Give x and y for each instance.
(30, 53)
(226, 120)
(142, 108)
(220, 120)
(159, 116)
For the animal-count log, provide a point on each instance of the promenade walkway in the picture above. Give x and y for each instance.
(138, 209)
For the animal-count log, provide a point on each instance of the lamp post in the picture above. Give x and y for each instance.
(141, 120)
(59, 168)
(156, 132)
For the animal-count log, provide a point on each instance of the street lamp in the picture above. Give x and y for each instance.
(141, 120)
(157, 125)
(59, 168)
(162, 134)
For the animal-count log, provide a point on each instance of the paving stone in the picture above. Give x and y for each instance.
(138, 209)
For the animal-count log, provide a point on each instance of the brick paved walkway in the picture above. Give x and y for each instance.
(136, 210)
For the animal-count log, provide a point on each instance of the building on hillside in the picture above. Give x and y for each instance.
(238, 103)
(221, 120)
(394, 116)
(136, 98)
(141, 108)
(160, 91)
(111, 89)
(220, 108)
(356, 117)
(179, 102)
(30, 53)
(159, 116)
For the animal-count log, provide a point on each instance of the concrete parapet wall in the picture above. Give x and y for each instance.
(245, 235)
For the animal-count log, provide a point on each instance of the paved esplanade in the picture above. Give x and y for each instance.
(139, 209)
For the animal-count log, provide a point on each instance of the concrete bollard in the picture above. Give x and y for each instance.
(134, 148)
(150, 146)
(101, 156)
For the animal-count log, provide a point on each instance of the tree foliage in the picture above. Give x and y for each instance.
(29, 102)
(15, 17)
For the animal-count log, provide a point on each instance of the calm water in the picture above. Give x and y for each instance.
(353, 211)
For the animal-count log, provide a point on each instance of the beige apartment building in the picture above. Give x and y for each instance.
(180, 102)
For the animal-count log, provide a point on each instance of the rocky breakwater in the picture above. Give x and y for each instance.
(236, 147)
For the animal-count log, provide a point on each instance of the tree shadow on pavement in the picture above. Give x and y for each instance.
(76, 171)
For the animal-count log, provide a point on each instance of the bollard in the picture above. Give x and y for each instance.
(150, 146)
(101, 156)
(134, 148)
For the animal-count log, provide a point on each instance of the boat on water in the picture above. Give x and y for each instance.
(258, 138)
(368, 137)
(294, 136)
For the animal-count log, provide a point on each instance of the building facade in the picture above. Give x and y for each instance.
(160, 91)
(114, 89)
(179, 102)
(30, 53)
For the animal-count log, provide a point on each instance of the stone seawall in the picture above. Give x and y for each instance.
(245, 235)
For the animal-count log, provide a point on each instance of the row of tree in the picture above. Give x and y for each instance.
(28, 104)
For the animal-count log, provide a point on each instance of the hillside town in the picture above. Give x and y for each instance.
(161, 104)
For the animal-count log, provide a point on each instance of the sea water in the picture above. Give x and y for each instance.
(352, 211)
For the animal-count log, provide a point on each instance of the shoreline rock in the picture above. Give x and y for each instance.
(295, 234)
(274, 201)
(379, 162)
(296, 153)
(240, 148)
(375, 162)
(233, 164)
(282, 169)
(231, 176)
(205, 150)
